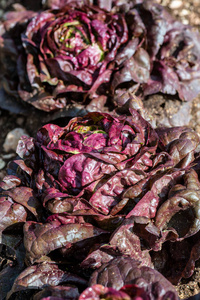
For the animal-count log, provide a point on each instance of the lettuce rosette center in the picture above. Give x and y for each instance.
(74, 38)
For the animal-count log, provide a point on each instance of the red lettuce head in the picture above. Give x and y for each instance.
(80, 56)
(87, 159)
(65, 54)
(103, 186)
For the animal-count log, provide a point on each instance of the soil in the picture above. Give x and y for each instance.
(165, 110)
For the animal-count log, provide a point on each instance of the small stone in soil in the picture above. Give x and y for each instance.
(2, 164)
(12, 139)
(175, 4)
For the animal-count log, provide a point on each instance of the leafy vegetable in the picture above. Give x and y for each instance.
(123, 273)
(69, 54)
(104, 192)
(86, 54)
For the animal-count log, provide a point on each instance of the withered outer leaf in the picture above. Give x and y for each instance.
(43, 275)
(10, 213)
(180, 143)
(181, 211)
(98, 257)
(168, 135)
(40, 239)
(58, 293)
(9, 182)
(25, 196)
